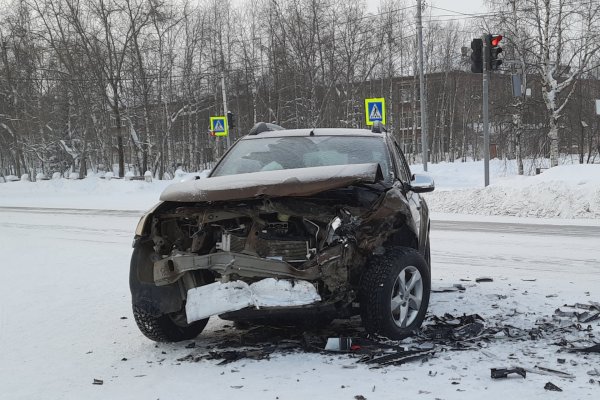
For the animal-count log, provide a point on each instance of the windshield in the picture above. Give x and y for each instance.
(274, 153)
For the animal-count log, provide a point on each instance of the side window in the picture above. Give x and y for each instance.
(403, 168)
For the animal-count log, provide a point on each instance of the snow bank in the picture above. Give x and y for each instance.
(567, 191)
(92, 193)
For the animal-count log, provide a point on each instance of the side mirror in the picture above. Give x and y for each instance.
(422, 183)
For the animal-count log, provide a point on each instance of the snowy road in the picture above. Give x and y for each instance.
(65, 318)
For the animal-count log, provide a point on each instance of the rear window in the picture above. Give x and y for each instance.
(275, 153)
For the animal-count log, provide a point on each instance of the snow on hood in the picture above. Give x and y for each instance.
(280, 183)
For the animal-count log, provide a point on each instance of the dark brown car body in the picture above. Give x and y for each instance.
(317, 224)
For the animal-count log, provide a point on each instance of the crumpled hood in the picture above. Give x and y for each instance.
(280, 183)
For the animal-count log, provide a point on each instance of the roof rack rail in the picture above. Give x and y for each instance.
(261, 127)
(378, 127)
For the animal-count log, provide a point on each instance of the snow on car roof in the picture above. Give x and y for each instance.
(316, 132)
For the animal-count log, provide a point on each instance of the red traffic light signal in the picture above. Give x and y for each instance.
(493, 50)
(495, 40)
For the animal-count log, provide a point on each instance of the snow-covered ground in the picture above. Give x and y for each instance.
(65, 320)
(65, 316)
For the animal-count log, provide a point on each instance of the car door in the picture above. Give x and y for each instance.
(418, 207)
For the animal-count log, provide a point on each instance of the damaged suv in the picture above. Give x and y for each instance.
(309, 222)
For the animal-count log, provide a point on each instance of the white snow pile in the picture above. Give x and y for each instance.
(566, 191)
(89, 193)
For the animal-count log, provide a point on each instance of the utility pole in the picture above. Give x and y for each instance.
(486, 116)
(223, 88)
(424, 144)
(224, 99)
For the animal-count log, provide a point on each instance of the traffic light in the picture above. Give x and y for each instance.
(494, 51)
(477, 56)
(230, 120)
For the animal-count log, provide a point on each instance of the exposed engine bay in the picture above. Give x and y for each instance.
(323, 239)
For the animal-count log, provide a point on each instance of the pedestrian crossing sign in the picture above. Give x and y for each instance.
(218, 126)
(375, 110)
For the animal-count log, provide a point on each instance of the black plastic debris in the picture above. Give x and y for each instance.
(560, 313)
(398, 358)
(98, 382)
(452, 329)
(484, 279)
(593, 349)
(535, 333)
(501, 373)
(587, 317)
(591, 313)
(446, 289)
(235, 355)
(468, 331)
(552, 387)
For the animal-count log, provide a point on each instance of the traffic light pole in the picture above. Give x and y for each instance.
(424, 139)
(485, 106)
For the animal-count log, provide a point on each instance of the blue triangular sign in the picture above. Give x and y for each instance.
(219, 126)
(375, 113)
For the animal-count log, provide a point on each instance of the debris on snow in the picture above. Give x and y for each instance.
(339, 344)
(591, 349)
(98, 382)
(594, 372)
(498, 373)
(552, 387)
(548, 371)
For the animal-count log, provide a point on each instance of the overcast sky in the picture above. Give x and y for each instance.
(461, 6)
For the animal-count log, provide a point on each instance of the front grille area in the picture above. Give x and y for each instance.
(286, 250)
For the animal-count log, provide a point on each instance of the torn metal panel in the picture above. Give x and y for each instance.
(279, 183)
(170, 269)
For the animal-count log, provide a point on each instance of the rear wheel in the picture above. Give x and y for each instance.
(394, 292)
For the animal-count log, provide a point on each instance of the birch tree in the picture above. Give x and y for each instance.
(563, 41)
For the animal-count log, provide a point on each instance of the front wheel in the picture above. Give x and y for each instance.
(394, 292)
(159, 311)
(167, 327)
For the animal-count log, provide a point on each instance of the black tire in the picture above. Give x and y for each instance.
(158, 311)
(167, 328)
(381, 286)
